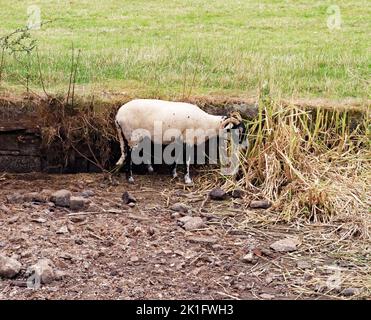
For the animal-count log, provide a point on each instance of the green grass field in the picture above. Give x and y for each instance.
(192, 47)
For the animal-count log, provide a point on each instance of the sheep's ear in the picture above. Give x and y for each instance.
(235, 115)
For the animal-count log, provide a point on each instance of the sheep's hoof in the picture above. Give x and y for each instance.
(150, 169)
(188, 180)
(131, 180)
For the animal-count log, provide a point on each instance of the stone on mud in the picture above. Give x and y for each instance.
(127, 198)
(248, 258)
(285, 245)
(202, 240)
(180, 207)
(62, 230)
(9, 267)
(218, 194)
(191, 223)
(78, 203)
(43, 196)
(61, 198)
(260, 204)
(87, 193)
(15, 198)
(348, 292)
(195, 223)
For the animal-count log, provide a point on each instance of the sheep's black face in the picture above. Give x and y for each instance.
(242, 133)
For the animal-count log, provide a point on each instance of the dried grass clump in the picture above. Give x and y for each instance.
(82, 129)
(312, 164)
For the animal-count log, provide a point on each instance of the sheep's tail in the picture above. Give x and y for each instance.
(120, 162)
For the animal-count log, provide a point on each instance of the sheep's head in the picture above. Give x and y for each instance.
(233, 122)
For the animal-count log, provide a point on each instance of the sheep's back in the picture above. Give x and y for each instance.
(171, 117)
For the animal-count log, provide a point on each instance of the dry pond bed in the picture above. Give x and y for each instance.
(116, 248)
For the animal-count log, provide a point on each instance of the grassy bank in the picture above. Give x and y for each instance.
(172, 48)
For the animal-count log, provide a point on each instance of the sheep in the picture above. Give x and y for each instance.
(136, 120)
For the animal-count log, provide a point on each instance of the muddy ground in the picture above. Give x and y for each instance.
(113, 251)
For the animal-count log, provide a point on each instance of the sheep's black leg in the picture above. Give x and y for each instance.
(178, 154)
(187, 177)
(129, 163)
(173, 169)
(149, 167)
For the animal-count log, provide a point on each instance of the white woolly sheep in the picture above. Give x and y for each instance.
(137, 120)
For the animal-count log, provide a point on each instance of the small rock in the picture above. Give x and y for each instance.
(60, 275)
(112, 210)
(46, 194)
(15, 198)
(134, 258)
(175, 215)
(208, 215)
(131, 204)
(4, 209)
(348, 292)
(266, 252)
(79, 241)
(267, 296)
(191, 223)
(179, 266)
(202, 240)
(66, 256)
(285, 245)
(61, 198)
(303, 264)
(180, 207)
(127, 198)
(260, 204)
(41, 197)
(237, 193)
(38, 219)
(13, 220)
(184, 220)
(87, 193)
(26, 254)
(44, 270)
(30, 196)
(218, 194)
(248, 258)
(9, 267)
(62, 230)
(78, 203)
(77, 219)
